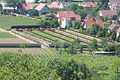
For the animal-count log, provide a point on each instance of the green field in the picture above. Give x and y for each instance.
(6, 35)
(6, 21)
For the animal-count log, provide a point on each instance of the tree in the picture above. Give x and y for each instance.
(23, 45)
(83, 13)
(33, 12)
(15, 3)
(114, 17)
(77, 24)
(93, 45)
(117, 49)
(72, 50)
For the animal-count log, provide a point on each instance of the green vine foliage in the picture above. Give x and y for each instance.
(14, 66)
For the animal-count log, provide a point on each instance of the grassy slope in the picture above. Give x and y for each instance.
(7, 20)
(6, 35)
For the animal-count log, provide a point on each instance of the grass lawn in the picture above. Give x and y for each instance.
(6, 35)
(6, 21)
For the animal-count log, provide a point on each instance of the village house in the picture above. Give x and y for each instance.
(25, 8)
(66, 18)
(114, 4)
(3, 6)
(107, 12)
(91, 21)
(54, 5)
(42, 9)
(89, 6)
(65, 4)
(114, 27)
(30, 1)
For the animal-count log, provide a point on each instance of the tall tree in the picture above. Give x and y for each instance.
(15, 3)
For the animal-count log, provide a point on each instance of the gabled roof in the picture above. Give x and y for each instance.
(51, 14)
(118, 30)
(26, 6)
(108, 12)
(68, 15)
(40, 6)
(54, 5)
(91, 21)
(65, 12)
(114, 27)
(91, 4)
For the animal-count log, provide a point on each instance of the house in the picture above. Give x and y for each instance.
(91, 21)
(3, 6)
(30, 1)
(107, 12)
(114, 4)
(114, 27)
(65, 4)
(54, 5)
(89, 6)
(42, 9)
(25, 8)
(66, 18)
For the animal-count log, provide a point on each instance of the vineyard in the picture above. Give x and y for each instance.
(51, 36)
(47, 37)
(58, 67)
(6, 21)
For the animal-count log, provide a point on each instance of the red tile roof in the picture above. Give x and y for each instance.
(26, 6)
(51, 13)
(68, 15)
(54, 5)
(118, 30)
(62, 13)
(114, 26)
(40, 6)
(91, 4)
(91, 21)
(108, 12)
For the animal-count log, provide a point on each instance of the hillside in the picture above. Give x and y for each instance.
(15, 66)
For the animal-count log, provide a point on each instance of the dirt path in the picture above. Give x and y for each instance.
(20, 37)
(27, 40)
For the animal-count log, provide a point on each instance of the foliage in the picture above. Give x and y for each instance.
(23, 45)
(93, 45)
(33, 12)
(15, 3)
(83, 13)
(114, 17)
(15, 66)
(77, 24)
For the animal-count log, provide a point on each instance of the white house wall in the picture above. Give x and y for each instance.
(63, 23)
(61, 5)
